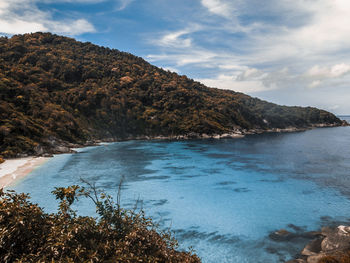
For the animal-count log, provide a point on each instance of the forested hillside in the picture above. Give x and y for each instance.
(54, 89)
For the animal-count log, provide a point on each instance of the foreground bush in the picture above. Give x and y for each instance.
(27, 234)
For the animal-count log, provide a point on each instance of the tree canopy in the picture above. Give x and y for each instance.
(56, 88)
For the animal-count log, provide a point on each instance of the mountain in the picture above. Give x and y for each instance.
(57, 91)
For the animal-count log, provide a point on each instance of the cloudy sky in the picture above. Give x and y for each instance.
(291, 52)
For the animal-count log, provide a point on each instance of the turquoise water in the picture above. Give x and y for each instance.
(222, 197)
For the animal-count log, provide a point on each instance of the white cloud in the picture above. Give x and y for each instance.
(334, 107)
(329, 28)
(17, 26)
(314, 84)
(175, 39)
(229, 82)
(335, 71)
(73, 1)
(70, 27)
(323, 33)
(24, 16)
(250, 74)
(193, 56)
(218, 7)
(123, 4)
(320, 75)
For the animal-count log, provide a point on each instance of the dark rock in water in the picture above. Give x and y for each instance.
(281, 235)
(297, 228)
(284, 235)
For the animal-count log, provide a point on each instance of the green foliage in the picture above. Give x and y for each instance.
(27, 234)
(56, 88)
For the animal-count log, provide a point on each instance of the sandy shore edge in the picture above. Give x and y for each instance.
(13, 170)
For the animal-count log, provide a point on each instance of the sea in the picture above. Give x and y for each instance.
(224, 199)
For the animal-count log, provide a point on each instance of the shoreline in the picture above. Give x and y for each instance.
(62, 147)
(234, 134)
(12, 170)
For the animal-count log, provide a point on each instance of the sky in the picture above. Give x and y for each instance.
(290, 52)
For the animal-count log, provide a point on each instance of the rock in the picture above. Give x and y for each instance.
(73, 145)
(47, 155)
(330, 241)
(52, 141)
(282, 232)
(344, 230)
(313, 248)
(338, 238)
(22, 155)
(192, 135)
(315, 258)
(345, 123)
(89, 143)
(281, 235)
(62, 149)
(38, 150)
(205, 136)
(296, 261)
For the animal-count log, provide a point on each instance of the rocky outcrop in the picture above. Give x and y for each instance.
(330, 242)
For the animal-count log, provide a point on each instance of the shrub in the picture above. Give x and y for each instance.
(28, 234)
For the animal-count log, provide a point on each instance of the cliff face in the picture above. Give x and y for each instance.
(54, 89)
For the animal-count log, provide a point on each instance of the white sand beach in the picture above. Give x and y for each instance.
(14, 169)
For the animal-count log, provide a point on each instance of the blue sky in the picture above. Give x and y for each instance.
(291, 52)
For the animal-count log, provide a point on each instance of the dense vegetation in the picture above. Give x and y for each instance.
(54, 89)
(27, 234)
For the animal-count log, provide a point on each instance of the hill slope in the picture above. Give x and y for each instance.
(54, 89)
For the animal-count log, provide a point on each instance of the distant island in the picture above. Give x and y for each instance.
(57, 93)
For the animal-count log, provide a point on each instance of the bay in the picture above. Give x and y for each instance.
(222, 197)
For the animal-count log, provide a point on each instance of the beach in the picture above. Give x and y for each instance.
(13, 170)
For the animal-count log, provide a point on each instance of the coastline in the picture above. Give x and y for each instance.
(61, 147)
(13, 170)
(234, 134)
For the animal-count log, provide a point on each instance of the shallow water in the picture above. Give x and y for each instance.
(222, 197)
